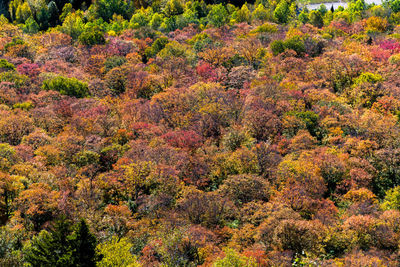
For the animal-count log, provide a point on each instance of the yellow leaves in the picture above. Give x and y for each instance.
(330, 122)
(335, 131)
(294, 32)
(11, 183)
(49, 154)
(38, 199)
(250, 49)
(216, 56)
(359, 147)
(8, 29)
(23, 169)
(116, 253)
(210, 108)
(376, 24)
(360, 195)
(137, 173)
(241, 161)
(354, 47)
(395, 59)
(301, 173)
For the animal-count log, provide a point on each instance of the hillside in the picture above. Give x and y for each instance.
(172, 133)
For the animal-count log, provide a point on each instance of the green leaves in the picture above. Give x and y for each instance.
(6, 66)
(67, 86)
(234, 259)
(62, 246)
(116, 253)
(218, 16)
(92, 36)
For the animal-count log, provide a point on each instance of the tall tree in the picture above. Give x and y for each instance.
(62, 246)
(51, 248)
(84, 245)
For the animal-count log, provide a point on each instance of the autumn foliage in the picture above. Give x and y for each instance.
(199, 133)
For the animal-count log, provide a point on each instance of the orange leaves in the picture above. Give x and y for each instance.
(299, 236)
(361, 195)
(216, 56)
(10, 186)
(302, 176)
(14, 126)
(38, 204)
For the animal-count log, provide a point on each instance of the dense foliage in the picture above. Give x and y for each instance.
(185, 133)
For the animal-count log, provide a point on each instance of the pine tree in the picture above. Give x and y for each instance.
(84, 244)
(51, 249)
(63, 247)
(53, 15)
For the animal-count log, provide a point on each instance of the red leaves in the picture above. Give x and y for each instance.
(28, 69)
(183, 139)
(206, 71)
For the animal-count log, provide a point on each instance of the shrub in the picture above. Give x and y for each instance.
(116, 80)
(201, 41)
(114, 61)
(116, 252)
(5, 65)
(277, 47)
(13, 77)
(267, 28)
(376, 24)
(367, 77)
(392, 199)
(67, 86)
(395, 59)
(218, 16)
(282, 12)
(92, 37)
(24, 105)
(234, 259)
(14, 42)
(156, 47)
(316, 18)
(294, 43)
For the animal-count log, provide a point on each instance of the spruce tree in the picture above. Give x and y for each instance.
(63, 247)
(51, 248)
(84, 245)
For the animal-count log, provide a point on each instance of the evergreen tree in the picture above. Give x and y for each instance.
(218, 16)
(4, 8)
(51, 249)
(316, 18)
(105, 9)
(63, 247)
(31, 26)
(282, 12)
(53, 13)
(84, 244)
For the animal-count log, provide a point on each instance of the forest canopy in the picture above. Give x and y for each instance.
(199, 133)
